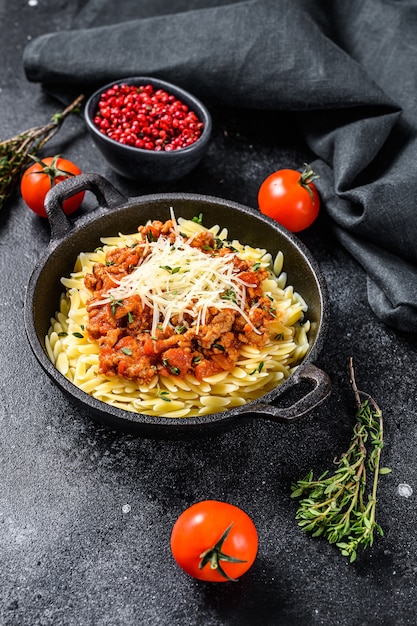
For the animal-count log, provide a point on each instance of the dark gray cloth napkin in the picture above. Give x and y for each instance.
(346, 69)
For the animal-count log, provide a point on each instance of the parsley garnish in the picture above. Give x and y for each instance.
(199, 219)
(229, 294)
(114, 304)
(272, 312)
(257, 369)
(172, 368)
(164, 396)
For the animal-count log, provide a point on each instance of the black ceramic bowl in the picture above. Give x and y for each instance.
(115, 214)
(149, 165)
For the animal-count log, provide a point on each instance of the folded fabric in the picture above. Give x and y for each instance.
(345, 69)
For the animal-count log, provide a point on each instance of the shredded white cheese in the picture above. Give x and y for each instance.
(176, 278)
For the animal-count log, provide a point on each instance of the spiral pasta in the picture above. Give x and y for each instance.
(257, 370)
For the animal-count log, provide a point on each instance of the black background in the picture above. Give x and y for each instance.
(69, 554)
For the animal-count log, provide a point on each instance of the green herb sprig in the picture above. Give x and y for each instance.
(15, 153)
(341, 507)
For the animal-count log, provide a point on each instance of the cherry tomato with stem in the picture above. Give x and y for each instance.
(214, 541)
(43, 174)
(290, 198)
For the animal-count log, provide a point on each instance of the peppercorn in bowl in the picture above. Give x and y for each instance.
(148, 129)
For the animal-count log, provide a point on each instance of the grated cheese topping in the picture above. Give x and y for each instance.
(177, 278)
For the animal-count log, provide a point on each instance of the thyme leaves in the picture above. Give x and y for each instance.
(16, 153)
(341, 507)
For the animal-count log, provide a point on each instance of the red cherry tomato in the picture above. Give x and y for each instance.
(290, 198)
(38, 179)
(214, 541)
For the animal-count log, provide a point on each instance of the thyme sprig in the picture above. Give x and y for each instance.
(15, 153)
(341, 507)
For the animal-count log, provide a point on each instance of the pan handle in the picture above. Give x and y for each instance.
(107, 196)
(321, 386)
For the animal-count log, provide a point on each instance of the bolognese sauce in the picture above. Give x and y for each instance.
(173, 305)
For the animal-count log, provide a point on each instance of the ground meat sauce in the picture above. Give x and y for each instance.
(123, 328)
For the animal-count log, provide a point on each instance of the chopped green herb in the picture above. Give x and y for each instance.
(257, 369)
(79, 335)
(219, 346)
(127, 351)
(114, 304)
(172, 368)
(270, 310)
(164, 395)
(130, 317)
(171, 270)
(229, 294)
(199, 219)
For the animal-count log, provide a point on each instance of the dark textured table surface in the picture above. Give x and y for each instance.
(86, 512)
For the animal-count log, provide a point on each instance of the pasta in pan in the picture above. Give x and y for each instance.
(176, 320)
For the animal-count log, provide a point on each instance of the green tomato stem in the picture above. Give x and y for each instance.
(215, 555)
(52, 171)
(307, 177)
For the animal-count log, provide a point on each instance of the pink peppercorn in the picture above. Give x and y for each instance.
(145, 118)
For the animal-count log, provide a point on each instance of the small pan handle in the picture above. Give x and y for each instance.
(321, 388)
(107, 196)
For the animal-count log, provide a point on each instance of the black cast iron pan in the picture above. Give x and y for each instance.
(115, 213)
